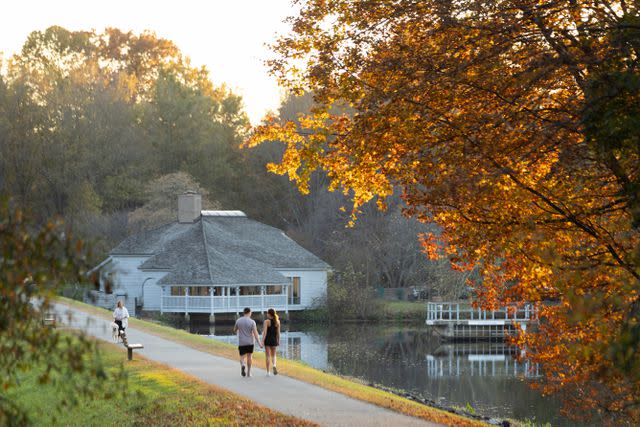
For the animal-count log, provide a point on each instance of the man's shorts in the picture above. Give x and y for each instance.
(244, 349)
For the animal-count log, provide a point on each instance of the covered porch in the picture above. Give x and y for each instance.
(227, 298)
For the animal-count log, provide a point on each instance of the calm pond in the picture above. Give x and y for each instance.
(485, 375)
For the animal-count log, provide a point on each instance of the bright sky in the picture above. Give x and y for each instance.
(228, 36)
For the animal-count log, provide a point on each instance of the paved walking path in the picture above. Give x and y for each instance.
(280, 393)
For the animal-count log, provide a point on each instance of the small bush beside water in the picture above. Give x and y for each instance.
(350, 298)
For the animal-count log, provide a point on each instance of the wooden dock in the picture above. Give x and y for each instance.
(455, 321)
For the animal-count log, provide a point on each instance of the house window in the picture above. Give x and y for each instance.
(249, 290)
(198, 291)
(274, 290)
(177, 291)
(107, 282)
(294, 291)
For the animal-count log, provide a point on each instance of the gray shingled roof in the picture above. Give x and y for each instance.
(219, 250)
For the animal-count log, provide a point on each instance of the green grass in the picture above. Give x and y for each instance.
(294, 369)
(382, 311)
(528, 423)
(155, 395)
(405, 310)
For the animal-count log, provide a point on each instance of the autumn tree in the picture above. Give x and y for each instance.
(89, 118)
(132, 60)
(513, 125)
(382, 247)
(84, 138)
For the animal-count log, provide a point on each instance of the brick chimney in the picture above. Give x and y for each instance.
(189, 206)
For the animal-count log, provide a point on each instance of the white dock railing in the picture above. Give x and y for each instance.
(444, 312)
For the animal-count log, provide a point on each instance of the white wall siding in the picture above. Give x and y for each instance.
(152, 294)
(313, 285)
(128, 278)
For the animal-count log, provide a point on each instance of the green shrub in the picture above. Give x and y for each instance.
(348, 298)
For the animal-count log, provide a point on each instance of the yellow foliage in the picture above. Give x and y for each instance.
(478, 113)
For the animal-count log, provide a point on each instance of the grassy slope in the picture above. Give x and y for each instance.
(405, 310)
(157, 395)
(385, 311)
(294, 369)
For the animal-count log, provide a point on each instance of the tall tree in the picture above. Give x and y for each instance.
(56, 52)
(512, 124)
(21, 142)
(196, 128)
(161, 197)
(89, 118)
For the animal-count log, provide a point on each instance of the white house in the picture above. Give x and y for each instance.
(212, 262)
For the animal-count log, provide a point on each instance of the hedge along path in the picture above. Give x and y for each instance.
(311, 401)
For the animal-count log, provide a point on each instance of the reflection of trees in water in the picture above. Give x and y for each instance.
(397, 357)
(407, 345)
(391, 344)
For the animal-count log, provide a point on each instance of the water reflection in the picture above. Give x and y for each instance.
(480, 359)
(308, 347)
(486, 375)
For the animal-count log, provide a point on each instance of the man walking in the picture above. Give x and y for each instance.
(247, 331)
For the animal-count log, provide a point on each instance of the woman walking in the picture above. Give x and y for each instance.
(271, 339)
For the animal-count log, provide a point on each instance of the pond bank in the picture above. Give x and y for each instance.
(464, 413)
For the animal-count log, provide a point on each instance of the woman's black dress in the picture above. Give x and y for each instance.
(271, 340)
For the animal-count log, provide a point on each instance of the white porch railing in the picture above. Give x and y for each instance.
(222, 304)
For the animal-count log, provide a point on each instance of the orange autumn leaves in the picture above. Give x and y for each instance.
(478, 112)
(313, 148)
